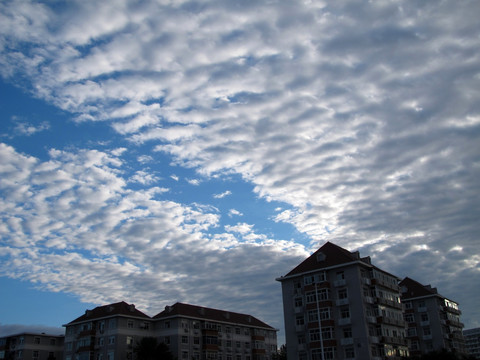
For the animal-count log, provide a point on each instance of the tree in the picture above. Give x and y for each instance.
(150, 349)
(281, 353)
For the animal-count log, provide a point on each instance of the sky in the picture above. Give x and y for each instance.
(161, 151)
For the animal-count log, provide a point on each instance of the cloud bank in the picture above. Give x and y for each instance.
(363, 117)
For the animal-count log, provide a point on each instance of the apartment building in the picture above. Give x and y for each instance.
(338, 305)
(31, 346)
(111, 332)
(194, 332)
(107, 332)
(472, 342)
(433, 320)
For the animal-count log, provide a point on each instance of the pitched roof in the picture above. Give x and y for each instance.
(414, 289)
(328, 255)
(199, 312)
(120, 308)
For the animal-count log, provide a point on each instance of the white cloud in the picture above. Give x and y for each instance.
(194, 182)
(222, 195)
(234, 212)
(23, 128)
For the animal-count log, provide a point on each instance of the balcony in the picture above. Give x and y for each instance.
(346, 341)
(298, 309)
(374, 339)
(341, 282)
(421, 309)
(341, 302)
(425, 323)
(300, 328)
(369, 299)
(427, 337)
(344, 321)
(372, 319)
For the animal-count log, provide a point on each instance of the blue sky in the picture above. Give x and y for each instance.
(193, 151)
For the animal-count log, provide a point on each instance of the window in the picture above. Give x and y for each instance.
(237, 331)
(323, 294)
(167, 325)
(426, 330)
(327, 333)
(409, 318)
(298, 302)
(184, 354)
(412, 332)
(349, 353)
(36, 340)
(309, 279)
(345, 313)
(424, 317)
(340, 275)
(347, 332)
(342, 294)
(299, 320)
(311, 297)
(196, 340)
(325, 313)
(101, 341)
(312, 315)
(52, 341)
(314, 335)
(166, 340)
(238, 344)
(184, 339)
(229, 343)
(329, 354)
(111, 355)
(111, 325)
(129, 340)
(68, 346)
(130, 324)
(35, 354)
(111, 340)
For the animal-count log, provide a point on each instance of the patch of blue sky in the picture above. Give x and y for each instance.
(56, 128)
(49, 308)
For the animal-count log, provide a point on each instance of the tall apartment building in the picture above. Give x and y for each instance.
(31, 346)
(195, 332)
(472, 342)
(106, 333)
(339, 306)
(433, 320)
(111, 332)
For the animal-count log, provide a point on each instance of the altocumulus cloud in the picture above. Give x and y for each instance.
(70, 224)
(362, 116)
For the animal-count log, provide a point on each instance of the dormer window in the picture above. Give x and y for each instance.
(321, 256)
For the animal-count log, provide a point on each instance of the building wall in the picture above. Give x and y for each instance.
(472, 342)
(366, 315)
(203, 339)
(111, 338)
(433, 326)
(31, 347)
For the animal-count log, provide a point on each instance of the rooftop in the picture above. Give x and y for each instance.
(199, 312)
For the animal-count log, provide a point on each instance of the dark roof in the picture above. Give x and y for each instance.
(120, 308)
(414, 289)
(199, 312)
(332, 255)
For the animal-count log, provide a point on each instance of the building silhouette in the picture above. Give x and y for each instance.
(31, 346)
(433, 320)
(338, 305)
(111, 332)
(472, 342)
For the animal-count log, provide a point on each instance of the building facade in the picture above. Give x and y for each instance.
(472, 342)
(340, 306)
(31, 346)
(433, 320)
(195, 332)
(107, 332)
(111, 332)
